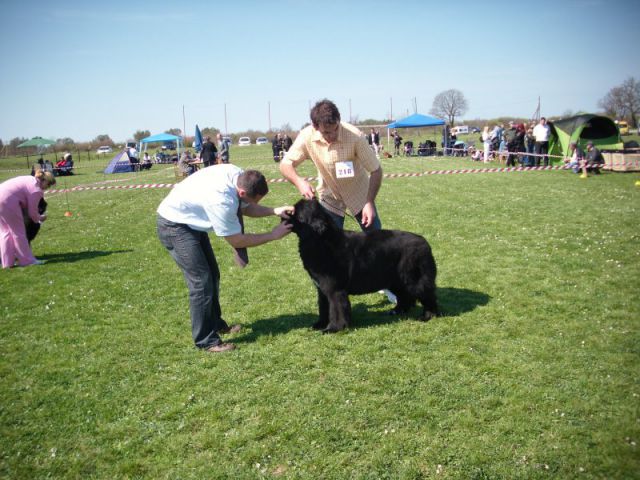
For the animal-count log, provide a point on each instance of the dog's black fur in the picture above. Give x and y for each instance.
(33, 227)
(343, 263)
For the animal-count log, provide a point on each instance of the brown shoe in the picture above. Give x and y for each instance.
(231, 329)
(222, 347)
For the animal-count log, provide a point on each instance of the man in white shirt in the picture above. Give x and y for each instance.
(541, 132)
(210, 200)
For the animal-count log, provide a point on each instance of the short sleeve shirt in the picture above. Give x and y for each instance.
(206, 201)
(337, 193)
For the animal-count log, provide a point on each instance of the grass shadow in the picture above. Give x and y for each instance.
(452, 302)
(78, 256)
(456, 301)
(276, 326)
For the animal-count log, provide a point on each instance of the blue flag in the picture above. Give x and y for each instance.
(197, 144)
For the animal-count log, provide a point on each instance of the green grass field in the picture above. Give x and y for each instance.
(533, 371)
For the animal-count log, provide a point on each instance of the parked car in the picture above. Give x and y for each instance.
(244, 141)
(169, 145)
(104, 149)
(262, 141)
(623, 127)
(475, 130)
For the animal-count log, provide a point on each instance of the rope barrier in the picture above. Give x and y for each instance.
(149, 186)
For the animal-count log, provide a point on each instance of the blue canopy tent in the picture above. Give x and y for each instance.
(416, 120)
(162, 137)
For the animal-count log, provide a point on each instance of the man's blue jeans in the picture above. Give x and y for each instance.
(192, 251)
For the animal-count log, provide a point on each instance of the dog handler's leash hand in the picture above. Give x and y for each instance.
(306, 190)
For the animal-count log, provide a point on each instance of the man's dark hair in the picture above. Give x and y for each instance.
(324, 112)
(254, 183)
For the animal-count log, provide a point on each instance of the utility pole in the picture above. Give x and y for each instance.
(226, 130)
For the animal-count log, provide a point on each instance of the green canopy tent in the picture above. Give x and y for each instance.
(38, 142)
(601, 131)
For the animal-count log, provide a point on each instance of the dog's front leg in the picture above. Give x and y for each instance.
(339, 312)
(323, 308)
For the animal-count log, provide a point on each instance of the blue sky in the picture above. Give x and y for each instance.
(82, 68)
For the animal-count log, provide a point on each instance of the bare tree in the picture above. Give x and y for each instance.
(449, 104)
(174, 131)
(623, 101)
(140, 134)
(103, 139)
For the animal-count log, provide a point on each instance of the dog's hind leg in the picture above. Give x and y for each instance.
(430, 304)
(339, 312)
(404, 304)
(323, 308)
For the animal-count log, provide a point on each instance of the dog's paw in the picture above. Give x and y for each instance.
(333, 328)
(428, 316)
(320, 325)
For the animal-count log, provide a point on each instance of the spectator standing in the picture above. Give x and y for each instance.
(531, 142)
(397, 142)
(208, 201)
(20, 194)
(276, 147)
(515, 143)
(541, 132)
(286, 142)
(486, 143)
(208, 153)
(374, 141)
(223, 149)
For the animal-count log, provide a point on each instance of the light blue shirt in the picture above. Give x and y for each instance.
(206, 201)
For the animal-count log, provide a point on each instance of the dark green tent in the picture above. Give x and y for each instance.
(602, 131)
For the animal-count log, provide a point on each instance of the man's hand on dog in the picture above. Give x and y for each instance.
(306, 190)
(283, 212)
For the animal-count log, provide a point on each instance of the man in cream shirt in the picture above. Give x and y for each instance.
(349, 173)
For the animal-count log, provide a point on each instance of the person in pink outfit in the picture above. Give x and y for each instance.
(17, 195)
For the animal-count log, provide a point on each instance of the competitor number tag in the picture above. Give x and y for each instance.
(344, 169)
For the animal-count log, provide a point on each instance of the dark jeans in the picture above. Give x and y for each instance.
(192, 251)
(542, 148)
(339, 221)
(530, 159)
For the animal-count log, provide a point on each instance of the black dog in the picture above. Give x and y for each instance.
(342, 263)
(33, 227)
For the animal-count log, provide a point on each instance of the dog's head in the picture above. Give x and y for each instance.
(309, 219)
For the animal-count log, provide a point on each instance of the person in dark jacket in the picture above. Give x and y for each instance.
(286, 142)
(208, 152)
(593, 159)
(515, 144)
(276, 147)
